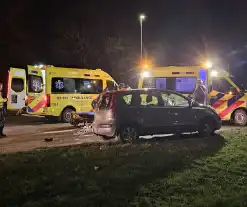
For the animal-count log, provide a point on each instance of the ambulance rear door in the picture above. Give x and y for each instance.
(16, 91)
(36, 90)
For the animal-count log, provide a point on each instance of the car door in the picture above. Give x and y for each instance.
(151, 112)
(180, 114)
(16, 89)
(220, 98)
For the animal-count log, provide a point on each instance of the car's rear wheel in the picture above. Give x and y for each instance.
(67, 114)
(240, 117)
(205, 128)
(128, 134)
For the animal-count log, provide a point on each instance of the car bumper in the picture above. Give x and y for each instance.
(108, 130)
(218, 124)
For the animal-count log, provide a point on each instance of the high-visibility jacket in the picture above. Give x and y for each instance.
(2, 110)
(2, 101)
(144, 100)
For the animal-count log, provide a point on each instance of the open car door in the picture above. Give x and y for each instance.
(36, 90)
(17, 89)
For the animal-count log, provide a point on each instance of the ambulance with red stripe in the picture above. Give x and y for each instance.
(55, 92)
(224, 95)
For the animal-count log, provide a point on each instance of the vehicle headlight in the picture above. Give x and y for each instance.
(145, 74)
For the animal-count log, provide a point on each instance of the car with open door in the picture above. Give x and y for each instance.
(133, 113)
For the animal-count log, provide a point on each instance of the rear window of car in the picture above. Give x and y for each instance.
(105, 102)
(178, 84)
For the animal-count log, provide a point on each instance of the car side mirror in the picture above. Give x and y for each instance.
(192, 103)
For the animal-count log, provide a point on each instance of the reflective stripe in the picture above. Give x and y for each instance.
(231, 108)
(37, 103)
(233, 103)
(218, 103)
(217, 98)
(234, 99)
(85, 113)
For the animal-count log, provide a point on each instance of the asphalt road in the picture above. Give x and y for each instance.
(30, 132)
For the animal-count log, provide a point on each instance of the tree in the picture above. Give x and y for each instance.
(75, 47)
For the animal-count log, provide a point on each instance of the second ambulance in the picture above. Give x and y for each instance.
(229, 100)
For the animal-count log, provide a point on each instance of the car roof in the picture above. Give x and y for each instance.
(145, 90)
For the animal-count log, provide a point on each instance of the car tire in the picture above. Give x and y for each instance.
(106, 138)
(128, 134)
(205, 129)
(240, 117)
(66, 115)
(74, 123)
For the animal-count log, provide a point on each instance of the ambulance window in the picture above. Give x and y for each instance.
(111, 85)
(90, 86)
(161, 83)
(35, 84)
(221, 85)
(185, 84)
(148, 82)
(17, 85)
(64, 85)
(69, 85)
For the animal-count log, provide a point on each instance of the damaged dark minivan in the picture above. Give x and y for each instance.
(139, 112)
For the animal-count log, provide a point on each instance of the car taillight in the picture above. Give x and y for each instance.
(8, 85)
(113, 104)
(26, 100)
(48, 100)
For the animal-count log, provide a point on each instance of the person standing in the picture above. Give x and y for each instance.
(2, 112)
(199, 94)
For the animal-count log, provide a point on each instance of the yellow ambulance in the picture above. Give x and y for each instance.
(224, 95)
(55, 92)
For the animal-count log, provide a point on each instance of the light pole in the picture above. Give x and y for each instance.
(142, 17)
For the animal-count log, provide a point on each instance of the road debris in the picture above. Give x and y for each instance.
(85, 129)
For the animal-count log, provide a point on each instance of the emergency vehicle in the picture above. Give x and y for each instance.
(55, 92)
(224, 95)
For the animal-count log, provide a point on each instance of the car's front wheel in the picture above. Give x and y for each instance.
(128, 134)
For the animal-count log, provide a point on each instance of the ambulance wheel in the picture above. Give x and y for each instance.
(66, 115)
(240, 117)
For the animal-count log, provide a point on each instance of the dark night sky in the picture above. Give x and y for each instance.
(183, 28)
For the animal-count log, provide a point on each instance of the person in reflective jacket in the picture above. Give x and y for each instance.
(200, 93)
(2, 112)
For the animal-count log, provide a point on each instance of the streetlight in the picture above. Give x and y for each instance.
(142, 17)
